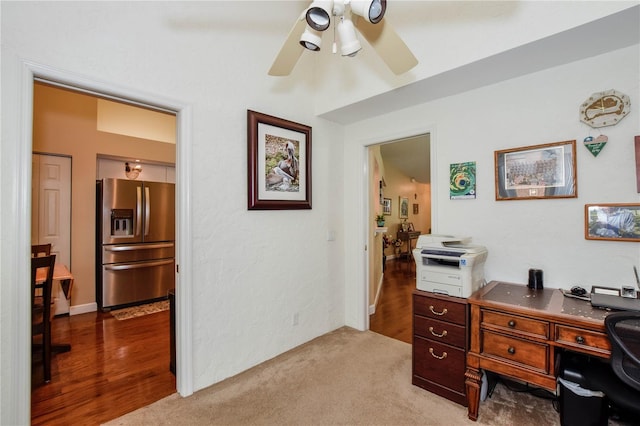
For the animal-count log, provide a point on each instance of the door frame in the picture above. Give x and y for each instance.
(30, 72)
(367, 192)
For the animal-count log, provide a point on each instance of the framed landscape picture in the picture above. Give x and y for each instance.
(613, 222)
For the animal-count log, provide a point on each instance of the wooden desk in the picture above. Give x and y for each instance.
(520, 333)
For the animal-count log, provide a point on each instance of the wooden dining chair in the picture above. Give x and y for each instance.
(38, 250)
(41, 290)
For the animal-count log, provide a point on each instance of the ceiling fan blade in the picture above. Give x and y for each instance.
(290, 51)
(384, 39)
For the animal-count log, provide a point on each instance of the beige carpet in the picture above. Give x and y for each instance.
(140, 310)
(345, 377)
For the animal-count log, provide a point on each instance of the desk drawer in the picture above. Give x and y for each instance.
(583, 340)
(440, 309)
(515, 324)
(440, 331)
(439, 363)
(529, 354)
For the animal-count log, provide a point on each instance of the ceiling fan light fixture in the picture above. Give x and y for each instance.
(311, 39)
(349, 44)
(371, 10)
(319, 14)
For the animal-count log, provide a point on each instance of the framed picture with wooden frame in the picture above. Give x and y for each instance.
(612, 222)
(537, 171)
(403, 207)
(279, 163)
(386, 207)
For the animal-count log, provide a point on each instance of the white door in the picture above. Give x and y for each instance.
(51, 205)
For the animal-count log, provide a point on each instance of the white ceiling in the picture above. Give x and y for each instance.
(613, 32)
(412, 156)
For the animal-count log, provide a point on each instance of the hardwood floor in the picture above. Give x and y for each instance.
(394, 312)
(114, 367)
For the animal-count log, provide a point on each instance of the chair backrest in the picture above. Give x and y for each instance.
(623, 329)
(42, 283)
(38, 250)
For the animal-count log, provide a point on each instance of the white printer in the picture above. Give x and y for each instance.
(447, 264)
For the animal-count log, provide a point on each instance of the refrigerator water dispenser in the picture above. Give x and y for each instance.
(121, 222)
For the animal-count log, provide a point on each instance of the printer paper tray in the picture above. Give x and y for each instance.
(441, 288)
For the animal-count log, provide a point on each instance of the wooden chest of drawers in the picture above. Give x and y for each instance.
(440, 342)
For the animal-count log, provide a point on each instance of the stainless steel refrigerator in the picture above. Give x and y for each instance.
(135, 236)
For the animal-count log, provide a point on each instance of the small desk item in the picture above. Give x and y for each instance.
(620, 303)
(519, 332)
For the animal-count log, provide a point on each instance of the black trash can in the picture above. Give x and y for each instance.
(580, 405)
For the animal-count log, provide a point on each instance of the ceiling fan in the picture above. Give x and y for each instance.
(348, 15)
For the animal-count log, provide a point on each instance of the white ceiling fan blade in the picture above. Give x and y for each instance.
(384, 39)
(290, 51)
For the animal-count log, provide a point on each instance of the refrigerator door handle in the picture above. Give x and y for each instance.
(138, 247)
(147, 213)
(138, 210)
(129, 266)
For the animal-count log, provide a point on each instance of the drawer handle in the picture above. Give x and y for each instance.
(444, 311)
(444, 354)
(444, 333)
(511, 350)
(512, 323)
(580, 340)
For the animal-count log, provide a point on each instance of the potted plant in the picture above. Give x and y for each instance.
(380, 220)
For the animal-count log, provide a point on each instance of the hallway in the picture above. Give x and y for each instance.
(393, 313)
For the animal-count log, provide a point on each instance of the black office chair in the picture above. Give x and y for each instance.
(622, 388)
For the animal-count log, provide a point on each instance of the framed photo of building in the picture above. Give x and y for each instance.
(535, 172)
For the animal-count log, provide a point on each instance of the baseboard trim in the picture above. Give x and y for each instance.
(372, 308)
(83, 309)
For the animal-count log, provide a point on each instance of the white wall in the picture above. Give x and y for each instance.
(252, 271)
(534, 109)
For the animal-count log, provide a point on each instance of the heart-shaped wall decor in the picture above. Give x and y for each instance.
(595, 145)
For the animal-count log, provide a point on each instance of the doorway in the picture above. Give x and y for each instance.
(19, 335)
(402, 174)
(85, 127)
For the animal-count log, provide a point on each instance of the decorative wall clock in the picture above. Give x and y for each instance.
(604, 108)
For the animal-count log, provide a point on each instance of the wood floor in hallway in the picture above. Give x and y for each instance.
(393, 313)
(114, 367)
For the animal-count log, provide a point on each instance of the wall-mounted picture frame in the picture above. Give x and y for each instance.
(636, 141)
(403, 207)
(536, 172)
(416, 208)
(386, 207)
(279, 163)
(612, 222)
